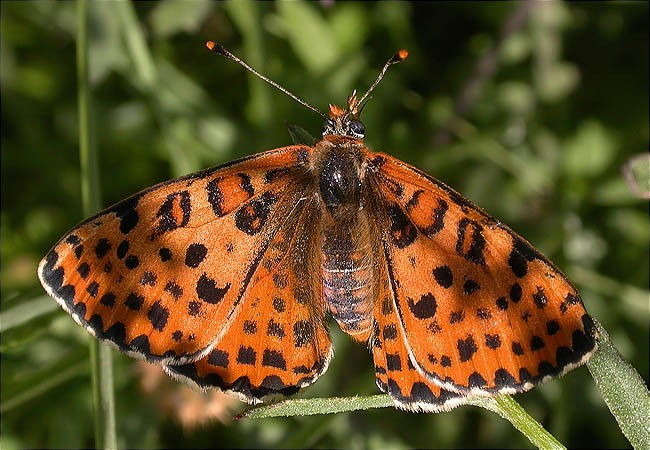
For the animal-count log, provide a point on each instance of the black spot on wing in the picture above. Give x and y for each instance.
(273, 358)
(141, 344)
(536, 343)
(466, 348)
(471, 243)
(517, 349)
(73, 239)
(117, 334)
(470, 286)
(425, 308)
(158, 316)
(126, 213)
(93, 289)
(522, 253)
(165, 254)
(134, 301)
(456, 316)
(131, 262)
(249, 327)
(275, 329)
(83, 270)
(504, 379)
(246, 356)
(102, 247)
(476, 380)
(390, 332)
(443, 276)
(515, 293)
(279, 304)
(195, 255)
(122, 249)
(552, 327)
(492, 341)
(274, 174)
(539, 297)
(393, 362)
(168, 214)
(108, 300)
(402, 232)
(218, 358)
(208, 290)
(252, 216)
(174, 290)
(96, 323)
(194, 309)
(148, 279)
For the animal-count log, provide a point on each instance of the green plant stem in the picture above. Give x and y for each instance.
(100, 355)
(506, 407)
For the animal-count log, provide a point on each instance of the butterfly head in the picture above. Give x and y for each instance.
(345, 122)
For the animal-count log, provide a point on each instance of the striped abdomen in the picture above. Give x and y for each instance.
(348, 278)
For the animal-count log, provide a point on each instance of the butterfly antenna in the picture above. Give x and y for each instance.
(396, 58)
(221, 50)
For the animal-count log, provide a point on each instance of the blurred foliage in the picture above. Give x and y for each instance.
(557, 106)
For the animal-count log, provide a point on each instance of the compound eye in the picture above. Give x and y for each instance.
(357, 129)
(328, 127)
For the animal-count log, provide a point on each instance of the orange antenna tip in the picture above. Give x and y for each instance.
(210, 45)
(396, 58)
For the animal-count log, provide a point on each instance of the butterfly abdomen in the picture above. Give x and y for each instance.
(349, 280)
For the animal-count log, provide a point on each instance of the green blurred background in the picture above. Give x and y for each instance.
(531, 119)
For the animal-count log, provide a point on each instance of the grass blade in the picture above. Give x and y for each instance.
(100, 355)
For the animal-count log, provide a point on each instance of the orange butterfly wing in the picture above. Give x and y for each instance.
(162, 274)
(279, 342)
(481, 310)
(395, 374)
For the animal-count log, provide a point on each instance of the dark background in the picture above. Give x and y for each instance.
(550, 110)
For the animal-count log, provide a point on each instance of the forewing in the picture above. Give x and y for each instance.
(160, 274)
(278, 343)
(482, 310)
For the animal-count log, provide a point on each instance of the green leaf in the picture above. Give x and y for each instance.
(590, 151)
(39, 381)
(300, 135)
(623, 390)
(504, 406)
(26, 311)
(309, 34)
(173, 16)
(313, 406)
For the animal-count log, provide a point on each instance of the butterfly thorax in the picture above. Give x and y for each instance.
(339, 166)
(340, 174)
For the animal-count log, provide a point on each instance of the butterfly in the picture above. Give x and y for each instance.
(227, 276)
